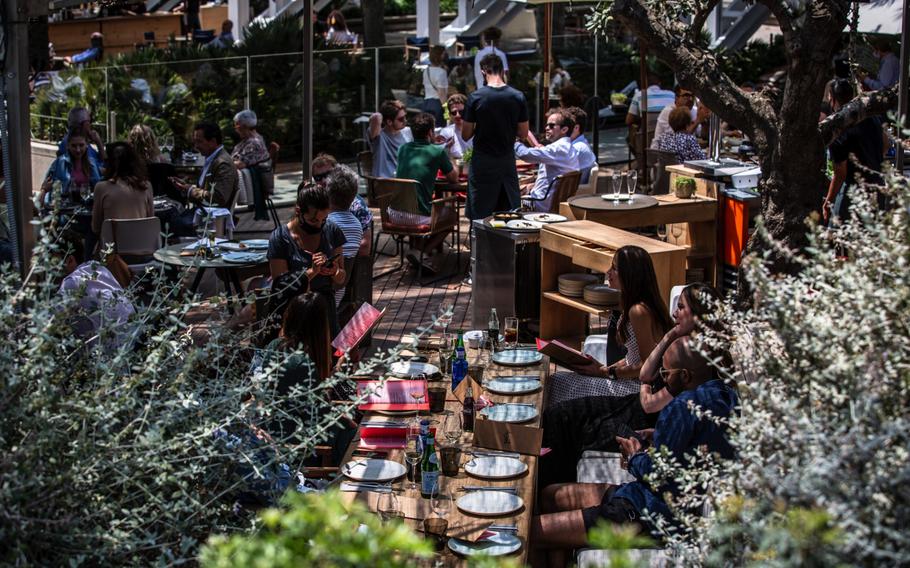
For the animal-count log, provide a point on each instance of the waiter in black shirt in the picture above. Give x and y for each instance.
(856, 152)
(495, 115)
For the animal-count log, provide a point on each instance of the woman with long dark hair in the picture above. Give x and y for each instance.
(126, 192)
(643, 319)
(592, 423)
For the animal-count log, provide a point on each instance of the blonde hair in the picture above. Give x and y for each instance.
(143, 140)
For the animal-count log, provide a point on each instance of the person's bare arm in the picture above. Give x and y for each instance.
(277, 267)
(652, 365)
(452, 176)
(467, 130)
(523, 130)
(631, 119)
(652, 402)
(642, 326)
(532, 140)
(375, 124)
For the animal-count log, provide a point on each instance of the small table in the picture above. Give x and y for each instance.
(227, 271)
(598, 203)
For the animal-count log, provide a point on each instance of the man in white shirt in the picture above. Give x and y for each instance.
(556, 158)
(452, 131)
(586, 157)
(489, 39)
(684, 97)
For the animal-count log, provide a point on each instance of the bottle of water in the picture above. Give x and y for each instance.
(460, 364)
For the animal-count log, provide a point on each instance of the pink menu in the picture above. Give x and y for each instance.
(393, 395)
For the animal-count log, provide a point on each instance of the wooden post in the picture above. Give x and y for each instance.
(643, 116)
(306, 142)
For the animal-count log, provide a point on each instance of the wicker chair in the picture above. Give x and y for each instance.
(562, 187)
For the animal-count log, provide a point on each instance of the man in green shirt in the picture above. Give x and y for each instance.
(420, 160)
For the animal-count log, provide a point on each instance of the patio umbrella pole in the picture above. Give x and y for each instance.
(547, 50)
(306, 141)
(902, 90)
(643, 115)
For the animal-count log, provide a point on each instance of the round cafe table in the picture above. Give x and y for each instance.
(598, 203)
(175, 255)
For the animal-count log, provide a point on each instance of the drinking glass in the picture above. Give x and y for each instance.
(511, 331)
(617, 183)
(85, 192)
(441, 500)
(388, 507)
(662, 232)
(167, 146)
(445, 316)
(631, 183)
(677, 230)
(412, 456)
(452, 427)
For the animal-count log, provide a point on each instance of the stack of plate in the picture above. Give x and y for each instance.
(601, 295)
(695, 275)
(573, 284)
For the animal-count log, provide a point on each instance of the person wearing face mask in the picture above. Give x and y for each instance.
(889, 67)
(570, 510)
(311, 245)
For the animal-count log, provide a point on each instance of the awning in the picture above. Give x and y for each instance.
(880, 17)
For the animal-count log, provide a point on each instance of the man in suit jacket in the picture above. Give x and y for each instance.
(218, 183)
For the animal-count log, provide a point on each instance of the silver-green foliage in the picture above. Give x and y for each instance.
(822, 476)
(133, 455)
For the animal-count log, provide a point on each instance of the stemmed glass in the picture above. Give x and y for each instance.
(617, 184)
(662, 232)
(412, 456)
(445, 316)
(631, 183)
(452, 427)
(167, 146)
(441, 500)
(388, 506)
(677, 230)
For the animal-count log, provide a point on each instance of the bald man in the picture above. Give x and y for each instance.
(570, 510)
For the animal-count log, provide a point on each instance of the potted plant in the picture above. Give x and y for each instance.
(619, 101)
(685, 187)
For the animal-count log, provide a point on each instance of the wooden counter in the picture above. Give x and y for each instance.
(697, 217)
(580, 246)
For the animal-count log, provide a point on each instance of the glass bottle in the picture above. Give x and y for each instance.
(429, 468)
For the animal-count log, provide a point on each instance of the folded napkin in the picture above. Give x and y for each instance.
(203, 242)
(217, 213)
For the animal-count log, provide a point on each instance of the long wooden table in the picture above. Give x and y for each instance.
(415, 508)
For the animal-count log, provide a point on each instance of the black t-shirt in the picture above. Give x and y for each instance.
(496, 112)
(863, 140)
(283, 246)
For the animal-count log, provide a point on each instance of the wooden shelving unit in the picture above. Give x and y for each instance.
(579, 246)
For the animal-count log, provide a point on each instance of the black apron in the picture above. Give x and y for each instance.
(492, 185)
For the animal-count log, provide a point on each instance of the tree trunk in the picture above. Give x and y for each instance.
(373, 26)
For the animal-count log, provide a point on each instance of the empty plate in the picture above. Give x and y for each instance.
(243, 257)
(256, 243)
(373, 470)
(412, 369)
(495, 467)
(545, 217)
(517, 357)
(489, 503)
(512, 385)
(507, 412)
(500, 544)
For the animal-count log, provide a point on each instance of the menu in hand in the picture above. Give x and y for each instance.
(562, 353)
(393, 395)
(353, 333)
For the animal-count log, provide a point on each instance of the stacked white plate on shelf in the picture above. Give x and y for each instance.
(573, 284)
(601, 295)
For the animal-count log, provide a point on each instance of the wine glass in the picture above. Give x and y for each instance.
(167, 146)
(85, 192)
(617, 183)
(445, 315)
(441, 500)
(631, 183)
(452, 427)
(388, 506)
(677, 230)
(662, 232)
(412, 456)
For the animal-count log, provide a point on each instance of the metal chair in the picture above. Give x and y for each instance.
(133, 239)
(658, 160)
(562, 187)
(400, 195)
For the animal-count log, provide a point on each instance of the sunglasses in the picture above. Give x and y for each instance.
(320, 177)
(400, 118)
(553, 125)
(665, 373)
(455, 112)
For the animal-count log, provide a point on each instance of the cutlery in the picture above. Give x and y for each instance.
(506, 528)
(528, 404)
(488, 488)
(494, 454)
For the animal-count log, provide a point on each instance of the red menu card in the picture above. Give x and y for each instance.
(353, 333)
(393, 395)
(375, 438)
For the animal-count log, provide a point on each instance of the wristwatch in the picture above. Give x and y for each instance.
(612, 373)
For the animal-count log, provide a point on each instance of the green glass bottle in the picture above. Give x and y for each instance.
(429, 468)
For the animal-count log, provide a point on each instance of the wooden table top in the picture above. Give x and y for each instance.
(415, 508)
(598, 203)
(610, 237)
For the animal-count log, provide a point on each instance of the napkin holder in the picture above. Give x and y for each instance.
(495, 435)
(461, 391)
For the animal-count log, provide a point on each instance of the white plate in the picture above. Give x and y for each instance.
(609, 197)
(499, 545)
(412, 369)
(256, 243)
(523, 224)
(512, 385)
(489, 503)
(545, 217)
(505, 412)
(373, 470)
(495, 467)
(231, 246)
(517, 357)
(243, 257)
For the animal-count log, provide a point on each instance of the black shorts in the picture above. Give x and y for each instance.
(612, 509)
